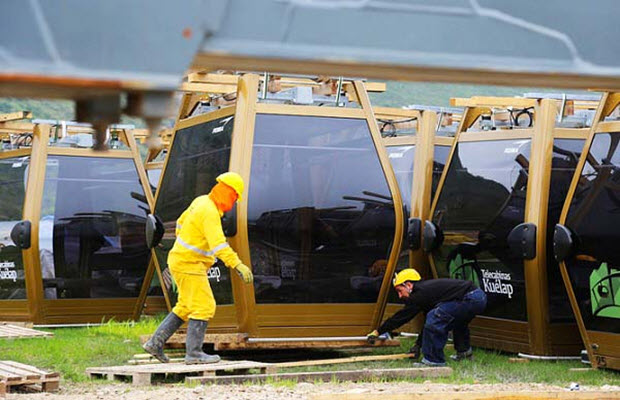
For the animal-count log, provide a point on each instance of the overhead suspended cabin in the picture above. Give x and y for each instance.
(586, 240)
(418, 141)
(493, 217)
(73, 246)
(318, 212)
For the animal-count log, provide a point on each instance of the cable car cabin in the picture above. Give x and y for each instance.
(318, 212)
(586, 241)
(415, 139)
(72, 246)
(493, 218)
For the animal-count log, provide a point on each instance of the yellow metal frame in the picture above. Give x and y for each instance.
(289, 319)
(602, 347)
(536, 335)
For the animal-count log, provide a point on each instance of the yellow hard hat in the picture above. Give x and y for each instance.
(232, 179)
(408, 274)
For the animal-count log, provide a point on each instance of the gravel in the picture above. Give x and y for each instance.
(300, 391)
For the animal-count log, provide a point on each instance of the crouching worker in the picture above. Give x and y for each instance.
(199, 240)
(449, 305)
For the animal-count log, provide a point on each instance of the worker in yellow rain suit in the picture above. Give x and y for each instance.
(199, 240)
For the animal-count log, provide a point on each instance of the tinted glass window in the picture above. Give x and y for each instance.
(482, 199)
(566, 153)
(153, 175)
(402, 158)
(441, 155)
(13, 174)
(320, 215)
(198, 155)
(91, 233)
(594, 216)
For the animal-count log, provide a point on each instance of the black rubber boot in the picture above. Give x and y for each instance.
(155, 345)
(193, 344)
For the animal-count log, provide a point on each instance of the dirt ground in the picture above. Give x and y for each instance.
(301, 391)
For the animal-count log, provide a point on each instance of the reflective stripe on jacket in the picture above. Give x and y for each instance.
(200, 239)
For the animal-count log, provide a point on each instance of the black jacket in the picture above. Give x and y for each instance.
(425, 296)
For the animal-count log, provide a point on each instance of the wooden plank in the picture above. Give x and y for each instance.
(141, 379)
(153, 360)
(204, 77)
(2, 388)
(50, 386)
(17, 369)
(209, 338)
(389, 71)
(15, 116)
(305, 344)
(238, 341)
(11, 330)
(208, 88)
(148, 356)
(476, 395)
(499, 102)
(14, 332)
(327, 376)
(347, 360)
(23, 324)
(30, 369)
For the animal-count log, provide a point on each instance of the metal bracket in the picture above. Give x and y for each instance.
(563, 242)
(154, 230)
(414, 233)
(20, 234)
(522, 240)
(433, 237)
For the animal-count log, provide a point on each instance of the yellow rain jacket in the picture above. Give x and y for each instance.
(200, 239)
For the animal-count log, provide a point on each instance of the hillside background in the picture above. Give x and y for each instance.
(398, 94)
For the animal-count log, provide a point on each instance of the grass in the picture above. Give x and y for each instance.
(72, 350)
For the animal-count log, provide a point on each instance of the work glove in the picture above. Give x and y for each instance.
(244, 273)
(372, 336)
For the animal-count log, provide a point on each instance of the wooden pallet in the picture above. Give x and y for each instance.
(16, 375)
(9, 331)
(145, 374)
(143, 358)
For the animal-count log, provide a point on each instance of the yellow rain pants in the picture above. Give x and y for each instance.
(195, 299)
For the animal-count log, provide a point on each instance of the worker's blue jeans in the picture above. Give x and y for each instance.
(451, 316)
